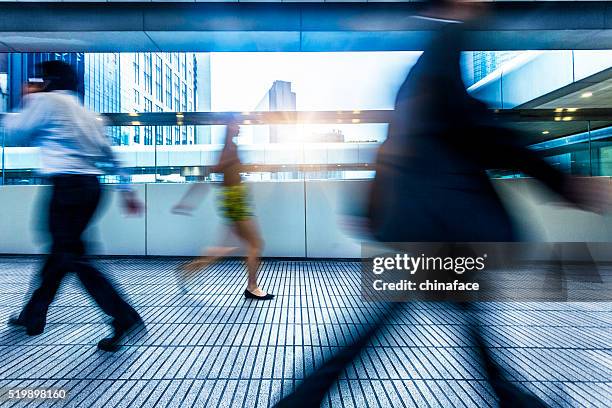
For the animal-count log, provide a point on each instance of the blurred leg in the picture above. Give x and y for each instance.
(208, 257)
(98, 287)
(34, 314)
(248, 232)
(312, 390)
(105, 295)
(65, 236)
(508, 394)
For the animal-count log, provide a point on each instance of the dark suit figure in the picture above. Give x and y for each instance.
(431, 174)
(432, 185)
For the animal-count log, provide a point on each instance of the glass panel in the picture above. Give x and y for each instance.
(162, 151)
(564, 144)
(311, 151)
(321, 151)
(601, 147)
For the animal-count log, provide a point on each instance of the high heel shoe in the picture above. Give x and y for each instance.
(249, 295)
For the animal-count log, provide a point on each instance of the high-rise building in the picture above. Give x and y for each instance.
(158, 82)
(125, 82)
(203, 95)
(102, 88)
(278, 98)
(479, 64)
(23, 66)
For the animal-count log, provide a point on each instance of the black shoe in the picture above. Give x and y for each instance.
(114, 342)
(16, 322)
(31, 329)
(249, 295)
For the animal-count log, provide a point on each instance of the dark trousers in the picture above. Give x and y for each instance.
(73, 202)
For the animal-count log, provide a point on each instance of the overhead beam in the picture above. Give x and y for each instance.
(564, 115)
(291, 26)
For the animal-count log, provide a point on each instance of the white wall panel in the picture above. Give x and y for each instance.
(288, 228)
(328, 203)
(280, 211)
(279, 208)
(170, 234)
(22, 221)
(543, 216)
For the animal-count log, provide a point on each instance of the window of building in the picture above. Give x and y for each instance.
(136, 70)
(148, 135)
(184, 96)
(177, 93)
(148, 71)
(137, 134)
(169, 87)
(190, 133)
(184, 135)
(159, 92)
(168, 132)
(159, 135)
(159, 130)
(177, 135)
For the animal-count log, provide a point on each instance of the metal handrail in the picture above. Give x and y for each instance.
(336, 117)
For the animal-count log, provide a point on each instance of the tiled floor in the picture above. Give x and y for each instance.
(211, 347)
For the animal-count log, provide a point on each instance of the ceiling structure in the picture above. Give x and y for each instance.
(589, 93)
(273, 26)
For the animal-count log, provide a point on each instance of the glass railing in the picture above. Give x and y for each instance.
(291, 146)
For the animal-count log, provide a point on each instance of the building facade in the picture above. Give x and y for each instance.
(23, 66)
(102, 88)
(279, 97)
(203, 134)
(158, 82)
(125, 82)
(479, 64)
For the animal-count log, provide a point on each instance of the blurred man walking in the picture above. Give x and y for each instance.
(74, 151)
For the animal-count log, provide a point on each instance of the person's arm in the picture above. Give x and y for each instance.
(113, 166)
(223, 162)
(22, 126)
(190, 199)
(508, 154)
(504, 152)
(131, 203)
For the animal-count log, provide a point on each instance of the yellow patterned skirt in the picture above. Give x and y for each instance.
(234, 203)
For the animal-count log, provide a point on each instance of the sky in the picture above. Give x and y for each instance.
(321, 81)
